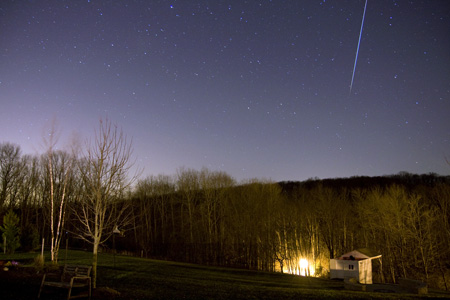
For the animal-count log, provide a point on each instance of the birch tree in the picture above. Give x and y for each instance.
(59, 168)
(104, 172)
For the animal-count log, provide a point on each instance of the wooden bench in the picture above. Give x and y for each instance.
(72, 276)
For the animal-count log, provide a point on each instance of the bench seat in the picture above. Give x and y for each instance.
(72, 276)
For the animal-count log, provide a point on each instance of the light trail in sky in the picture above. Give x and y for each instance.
(357, 49)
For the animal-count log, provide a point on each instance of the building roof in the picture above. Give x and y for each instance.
(360, 254)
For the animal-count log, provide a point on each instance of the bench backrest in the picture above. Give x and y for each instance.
(75, 270)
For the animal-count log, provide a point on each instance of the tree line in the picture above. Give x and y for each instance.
(206, 217)
(57, 193)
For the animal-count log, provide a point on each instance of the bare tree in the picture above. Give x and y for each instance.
(29, 193)
(143, 217)
(104, 171)
(151, 211)
(213, 186)
(9, 171)
(331, 217)
(188, 187)
(59, 169)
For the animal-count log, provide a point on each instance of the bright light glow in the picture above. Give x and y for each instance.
(306, 268)
(303, 263)
(303, 268)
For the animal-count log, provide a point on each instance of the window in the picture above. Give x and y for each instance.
(350, 267)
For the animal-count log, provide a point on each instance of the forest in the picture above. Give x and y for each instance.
(206, 217)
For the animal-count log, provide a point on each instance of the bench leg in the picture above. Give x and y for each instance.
(40, 289)
(70, 292)
(90, 289)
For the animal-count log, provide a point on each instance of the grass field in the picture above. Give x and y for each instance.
(137, 278)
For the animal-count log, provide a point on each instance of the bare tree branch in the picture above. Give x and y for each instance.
(104, 171)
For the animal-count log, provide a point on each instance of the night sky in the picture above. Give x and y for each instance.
(253, 88)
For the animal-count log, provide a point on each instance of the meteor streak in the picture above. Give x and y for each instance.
(357, 49)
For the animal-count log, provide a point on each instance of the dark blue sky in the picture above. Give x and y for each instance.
(252, 88)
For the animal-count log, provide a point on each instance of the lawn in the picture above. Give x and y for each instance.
(137, 278)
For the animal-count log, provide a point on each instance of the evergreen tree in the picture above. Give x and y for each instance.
(11, 232)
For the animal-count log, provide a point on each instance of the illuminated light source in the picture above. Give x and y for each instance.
(303, 263)
(306, 268)
(302, 267)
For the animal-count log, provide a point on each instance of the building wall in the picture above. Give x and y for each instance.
(365, 271)
(344, 269)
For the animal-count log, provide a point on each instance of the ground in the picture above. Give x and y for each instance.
(149, 279)
(24, 283)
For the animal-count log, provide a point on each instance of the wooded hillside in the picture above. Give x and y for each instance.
(206, 217)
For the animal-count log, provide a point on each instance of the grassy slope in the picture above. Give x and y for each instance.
(139, 278)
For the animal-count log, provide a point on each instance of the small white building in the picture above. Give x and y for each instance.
(355, 264)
